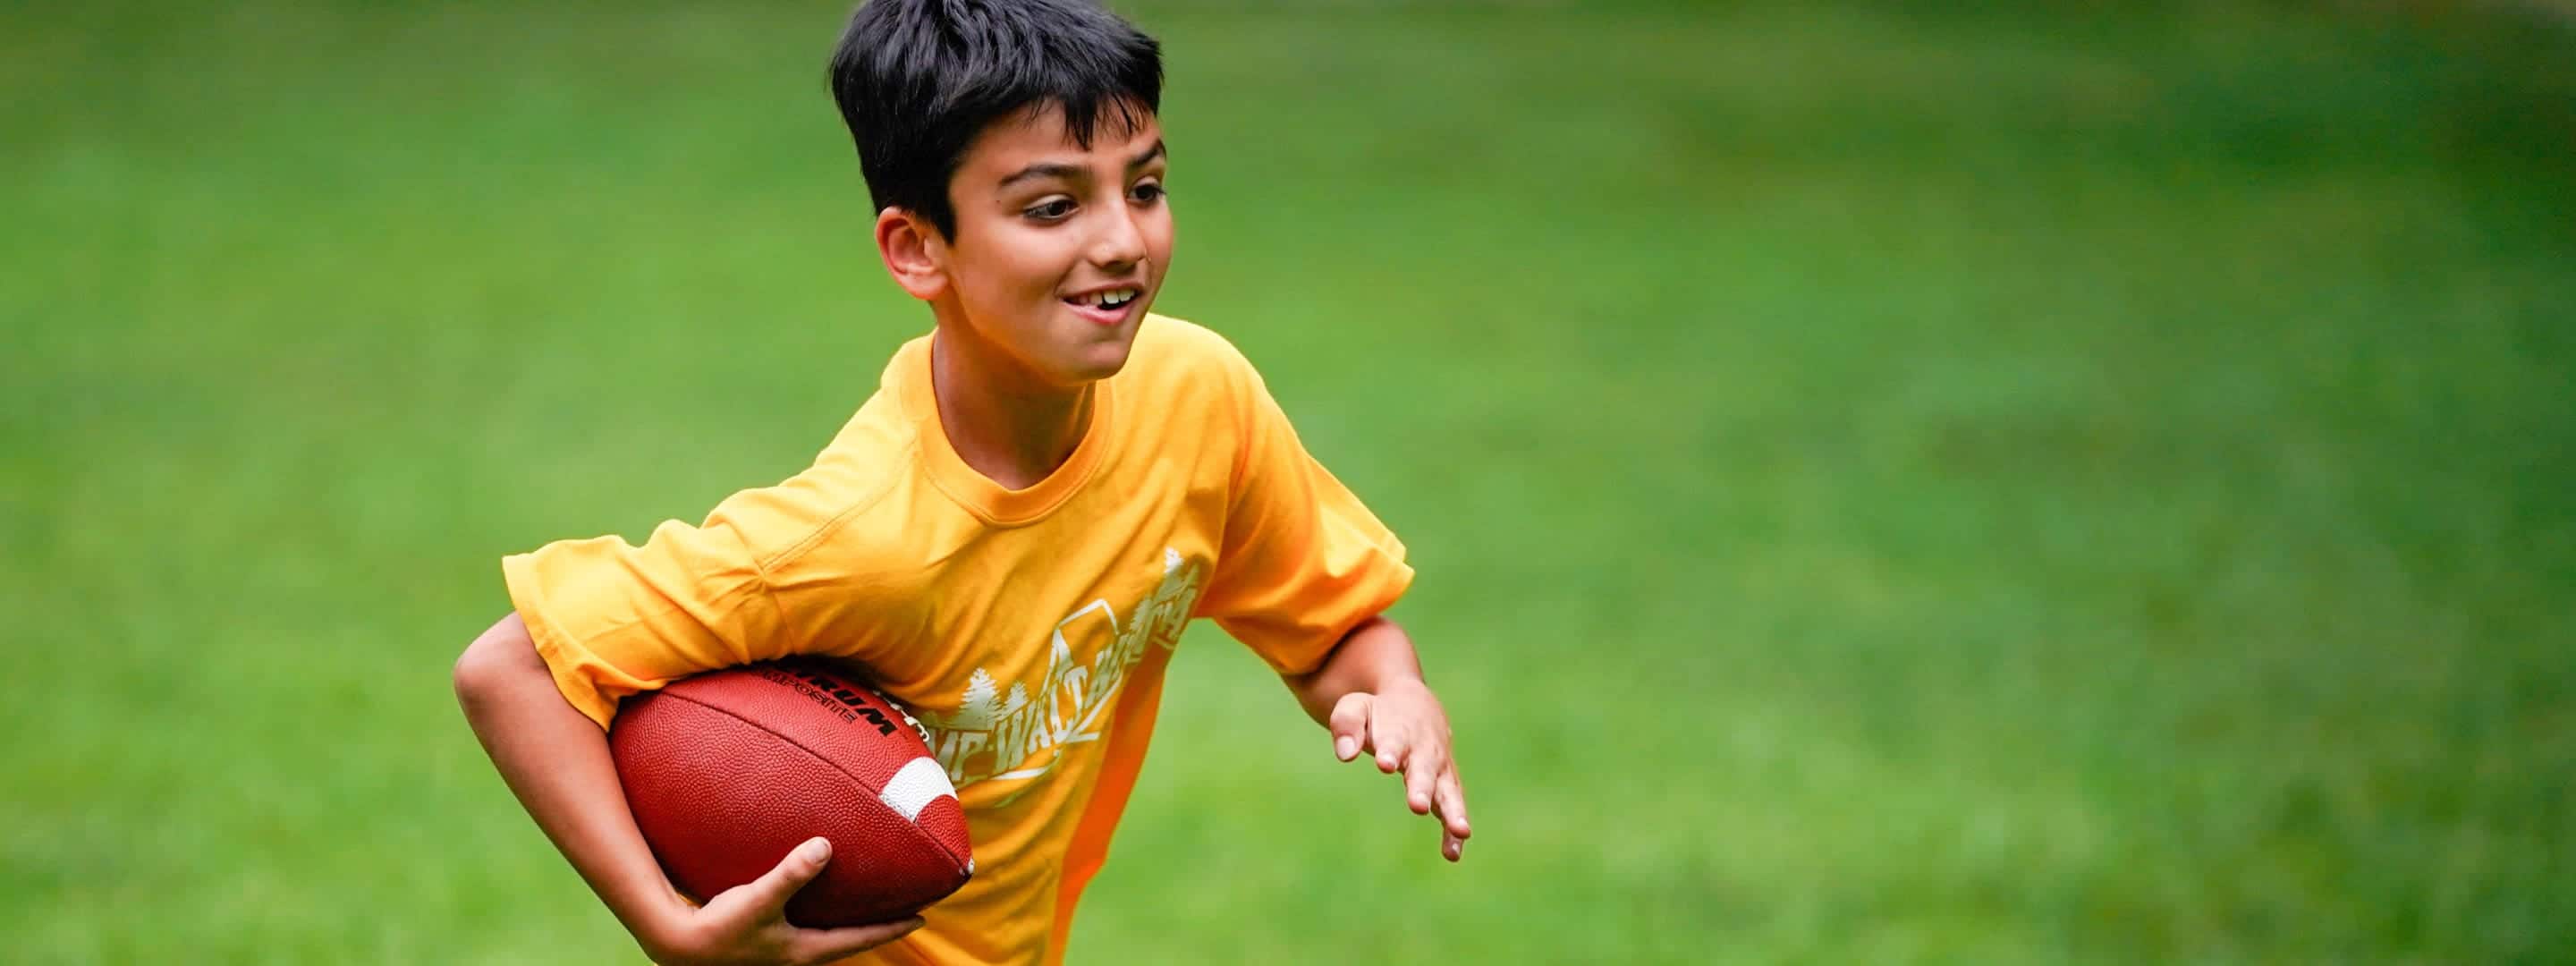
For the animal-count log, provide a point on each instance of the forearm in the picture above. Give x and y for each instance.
(1372, 658)
(556, 760)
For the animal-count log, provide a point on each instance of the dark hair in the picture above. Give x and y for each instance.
(918, 79)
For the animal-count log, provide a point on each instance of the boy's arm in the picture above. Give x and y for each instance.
(556, 760)
(1369, 692)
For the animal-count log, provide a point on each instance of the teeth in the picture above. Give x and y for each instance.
(1111, 298)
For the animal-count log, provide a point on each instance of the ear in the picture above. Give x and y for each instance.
(914, 253)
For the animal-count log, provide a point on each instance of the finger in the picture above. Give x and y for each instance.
(1349, 724)
(1452, 847)
(826, 945)
(1421, 776)
(1392, 747)
(770, 892)
(1450, 797)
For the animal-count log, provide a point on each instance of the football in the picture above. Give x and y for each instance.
(728, 771)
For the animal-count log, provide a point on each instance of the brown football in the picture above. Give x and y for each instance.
(728, 771)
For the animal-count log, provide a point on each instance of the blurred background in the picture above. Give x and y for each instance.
(2039, 483)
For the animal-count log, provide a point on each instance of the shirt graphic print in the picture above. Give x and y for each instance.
(1019, 733)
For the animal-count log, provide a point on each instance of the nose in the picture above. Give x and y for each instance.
(1119, 243)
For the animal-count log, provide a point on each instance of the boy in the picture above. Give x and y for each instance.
(1007, 537)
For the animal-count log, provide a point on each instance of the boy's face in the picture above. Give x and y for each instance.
(1050, 236)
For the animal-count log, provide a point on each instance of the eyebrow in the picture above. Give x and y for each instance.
(1047, 169)
(1147, 156)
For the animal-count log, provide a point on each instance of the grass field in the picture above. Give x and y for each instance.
(2031, 486)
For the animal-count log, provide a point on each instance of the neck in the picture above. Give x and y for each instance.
(1011, 427)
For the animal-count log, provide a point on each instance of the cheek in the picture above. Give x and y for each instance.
(1158, 238)
(1038, 261)
(1015, 268)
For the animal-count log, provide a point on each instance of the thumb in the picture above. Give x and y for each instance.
(771, 891)
(1349, 724)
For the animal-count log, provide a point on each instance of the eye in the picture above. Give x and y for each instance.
(1052, 209)
(1147, 193)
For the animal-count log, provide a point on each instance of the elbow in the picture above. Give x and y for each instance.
(499, 654)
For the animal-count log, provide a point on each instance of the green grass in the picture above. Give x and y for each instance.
(2034, 486)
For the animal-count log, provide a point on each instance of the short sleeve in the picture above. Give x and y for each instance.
(1302, 560)
(612, 619)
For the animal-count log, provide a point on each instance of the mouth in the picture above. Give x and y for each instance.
(1108, 306)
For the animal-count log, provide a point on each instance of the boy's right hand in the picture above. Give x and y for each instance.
(748, 923)
(556, 760)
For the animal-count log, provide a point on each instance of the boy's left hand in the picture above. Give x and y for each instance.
(1405, 727)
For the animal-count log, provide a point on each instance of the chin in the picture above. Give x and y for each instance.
(1097, 362)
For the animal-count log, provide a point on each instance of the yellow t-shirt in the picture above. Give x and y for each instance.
(1027, 629)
